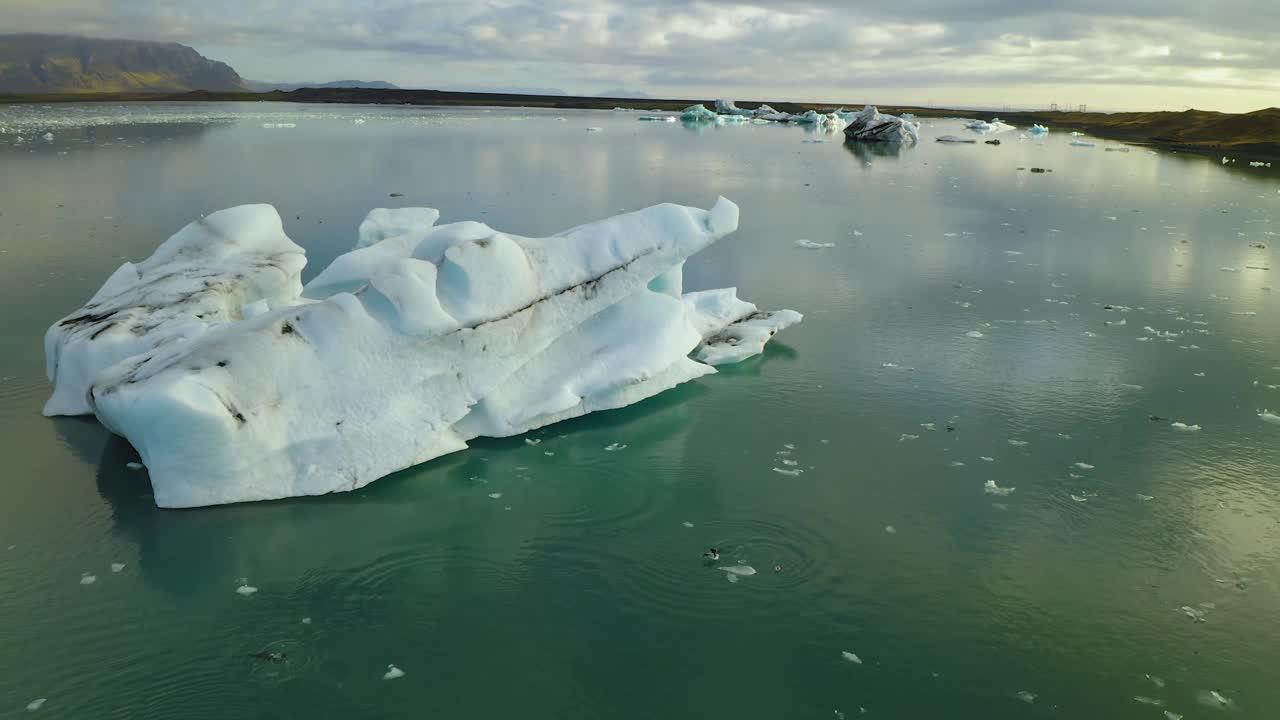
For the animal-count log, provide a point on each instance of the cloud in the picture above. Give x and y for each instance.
(783, 49)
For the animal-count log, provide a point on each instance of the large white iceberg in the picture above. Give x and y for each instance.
(727, 107)
(993, 127)
(870, 125)
(418, 340)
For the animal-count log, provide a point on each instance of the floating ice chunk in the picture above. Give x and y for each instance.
(811, 245)
(1084, 466)
(991, 488)
(793, 473)
(739, 570)
(1026, 696)
(117, 567)
(1039, 130)
(88, 579)
(726, 107)
(956, 463)
(1082, 143)
(1268, 416)
(698, 114)
(611, 447)
(1148, 700)
(200, 278)
(48, 137)
(1079, 498)
(687, 524)
(279, 126)
(929, 426)
(739, 340)
(851, 657)
(870, 125)
(1145, 498)
(134, 465)
(657, 118)
(36, 704)
(246, 589)
(533, 310)
(1195, 614)
(595, 129)
(955, 139)
(1169, 715)
(1157, 681)
(1019, 443)
(1213, 698)
(974, 334)
(906, 436)
(1184, 427)
(392, 673)
(984, 458)
(891, 530)
(495, 495)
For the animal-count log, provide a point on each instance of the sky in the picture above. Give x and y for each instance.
(1106, 54)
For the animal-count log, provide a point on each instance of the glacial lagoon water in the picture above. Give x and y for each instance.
(958, 332)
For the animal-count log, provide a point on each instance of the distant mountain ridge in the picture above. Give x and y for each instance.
(34, 63)
(261, 86)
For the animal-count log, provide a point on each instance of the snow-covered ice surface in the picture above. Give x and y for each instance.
(202, 277)
(418, 340)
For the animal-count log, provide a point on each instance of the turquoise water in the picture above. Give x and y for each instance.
(580, 592)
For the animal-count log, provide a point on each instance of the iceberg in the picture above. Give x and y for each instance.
(870, 125)
(982, 126)
(726, 107)
(955, 139)
(1039, 130)
(236, 384)
(698, 113)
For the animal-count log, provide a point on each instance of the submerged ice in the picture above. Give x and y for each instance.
(235, 383)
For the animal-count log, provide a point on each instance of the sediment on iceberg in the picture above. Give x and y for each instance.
(236, 384)
(870, 125)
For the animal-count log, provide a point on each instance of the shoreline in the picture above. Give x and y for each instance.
(1254, 135)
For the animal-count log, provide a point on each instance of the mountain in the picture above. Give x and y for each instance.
(73, 64)
(260, 86)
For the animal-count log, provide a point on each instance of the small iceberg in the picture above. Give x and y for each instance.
(392, 673)
(1039, 130)
(739, 570)
(1184, 427)
(955, 139)
(726, 107)
(991, 488)
(870, 125)
(698, 114)
(851, 657)
(1268, 416)
(1083, 143)
(811, 245)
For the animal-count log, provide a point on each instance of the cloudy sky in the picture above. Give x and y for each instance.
(1110, 54)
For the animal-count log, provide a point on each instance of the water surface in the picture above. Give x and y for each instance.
(579, 592)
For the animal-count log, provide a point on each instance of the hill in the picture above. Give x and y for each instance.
(260, 86)
(73, 64)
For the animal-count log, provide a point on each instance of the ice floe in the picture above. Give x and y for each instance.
(392, 673)
(245, 588)
(955, 139)
(1026, 696)
(88, 578)
(117, 567)
(851, 657)
(1214, 699)
(991, 488)
(1184, 427)
(496, 335)
(36, 704)
(811, 245)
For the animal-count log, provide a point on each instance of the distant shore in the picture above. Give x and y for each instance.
(1244, 135)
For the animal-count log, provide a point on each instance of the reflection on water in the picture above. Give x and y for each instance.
(569, 575)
